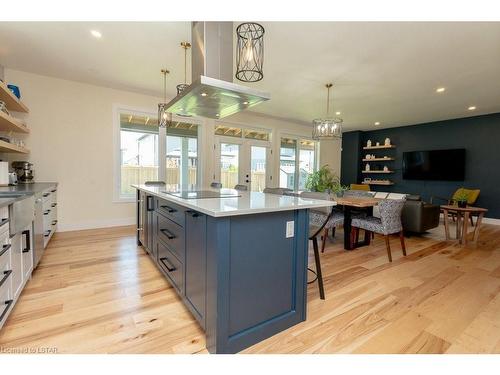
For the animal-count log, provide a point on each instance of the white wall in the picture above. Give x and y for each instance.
(71, 142)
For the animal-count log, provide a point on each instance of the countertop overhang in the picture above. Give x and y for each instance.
(247, 203)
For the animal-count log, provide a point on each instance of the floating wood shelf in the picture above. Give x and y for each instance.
(378, 147)
(9, 123)
(378, 182)
(11, 101)
(9, 147)
(379, 159)
(382, 171)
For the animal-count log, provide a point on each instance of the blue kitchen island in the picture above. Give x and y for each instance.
(238, 263)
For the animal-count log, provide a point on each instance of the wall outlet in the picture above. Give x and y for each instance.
(290, 229)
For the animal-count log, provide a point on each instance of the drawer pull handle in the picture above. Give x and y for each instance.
(53, 205)
(6, 275)
(54, 222)
(167, 264)
(53, 191)
(169, 209)
(4, 249)
(45, 195)
(26, 233)
(193, 213)
(7, 307)
(167, 233)
(4, 221)
(46, 212)
(47, 233)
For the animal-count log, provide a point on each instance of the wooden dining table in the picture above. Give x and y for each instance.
(349, 204)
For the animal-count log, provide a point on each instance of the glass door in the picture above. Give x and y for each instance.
(229, 164)
(258, 163)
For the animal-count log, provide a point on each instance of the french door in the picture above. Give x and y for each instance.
(242, 162)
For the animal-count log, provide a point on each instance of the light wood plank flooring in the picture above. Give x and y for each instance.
(97, 292)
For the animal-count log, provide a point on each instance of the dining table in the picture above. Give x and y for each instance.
(350, 204)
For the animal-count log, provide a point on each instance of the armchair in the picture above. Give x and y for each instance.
(472, 195)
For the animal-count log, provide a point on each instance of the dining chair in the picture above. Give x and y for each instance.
(216, 185)
(318, 216)
(388, 223)
(154, 183)
(240, 187)
(277, 191)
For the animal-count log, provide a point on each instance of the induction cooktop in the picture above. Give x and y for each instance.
(202, 194)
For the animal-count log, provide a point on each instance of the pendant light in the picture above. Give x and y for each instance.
(250, 53)
(164, 118)
(327, 128)
(181, 87)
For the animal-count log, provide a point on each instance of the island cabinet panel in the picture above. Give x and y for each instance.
(196, 256)
(172, 234)
(171, 210)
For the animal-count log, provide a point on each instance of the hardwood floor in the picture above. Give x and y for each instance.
(97, 292)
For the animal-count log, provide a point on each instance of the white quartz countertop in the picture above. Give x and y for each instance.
(247, 203)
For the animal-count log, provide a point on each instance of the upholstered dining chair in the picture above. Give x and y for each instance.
(361, 187)
(216, 185)
(277, 191)
(241, 187)
(318, 219)
(154, 183)
(318, 216)
(388, 223)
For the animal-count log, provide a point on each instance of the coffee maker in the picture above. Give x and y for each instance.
(24, 171)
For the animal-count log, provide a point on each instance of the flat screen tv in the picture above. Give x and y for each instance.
(443, 165)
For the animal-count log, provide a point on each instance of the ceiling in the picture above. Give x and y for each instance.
(382, 72)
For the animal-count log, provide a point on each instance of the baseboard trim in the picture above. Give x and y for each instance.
(95, 224)
(488, 220)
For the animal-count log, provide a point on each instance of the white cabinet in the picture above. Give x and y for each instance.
(49, 199)
(17, 264)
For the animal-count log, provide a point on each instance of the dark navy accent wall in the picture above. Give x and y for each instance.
(479, 136)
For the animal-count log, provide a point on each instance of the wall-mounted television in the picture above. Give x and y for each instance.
(443, 165)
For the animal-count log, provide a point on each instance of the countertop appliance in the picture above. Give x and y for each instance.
(24, 170)
(202, 194)
(12, 178)
(212, 93)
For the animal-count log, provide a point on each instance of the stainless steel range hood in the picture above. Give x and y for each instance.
(212, 92)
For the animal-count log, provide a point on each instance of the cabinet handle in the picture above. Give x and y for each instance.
(54, 222)
(53, 191)
(167, 233)
(45, 195)
(47, 233)
(7, 307)
(169, 209)
(28, 241)
(169, 267)
(53, 204)
(149, 207)
(4, 221)
(6, 275)
(46, 212)
(4, 249)
(193, 213)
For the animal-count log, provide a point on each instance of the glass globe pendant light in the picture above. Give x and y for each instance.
(181, 87)
(327, 128)
(164, 118)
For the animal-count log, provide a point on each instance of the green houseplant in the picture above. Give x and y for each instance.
(461, 199)
(325, 180)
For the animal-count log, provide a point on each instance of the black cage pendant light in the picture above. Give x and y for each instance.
(181, 87)
(327, 128)
(164, 117)
(250, 53)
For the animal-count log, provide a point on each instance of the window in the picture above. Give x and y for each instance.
(138, 151)
(297, 161)
(182, 154)
(229, 164)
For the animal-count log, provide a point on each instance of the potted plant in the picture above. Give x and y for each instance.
(325, 180)
(461, 199)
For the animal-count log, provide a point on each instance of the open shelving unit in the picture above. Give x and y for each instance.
(10, 124)
(378, 182)
(381, 147)
(380, 171)
(377, 159)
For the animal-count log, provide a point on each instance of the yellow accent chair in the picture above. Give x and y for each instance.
(472, 195)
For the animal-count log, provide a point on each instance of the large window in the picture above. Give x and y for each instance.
(182, 154)
(297, 161)
(138, 152)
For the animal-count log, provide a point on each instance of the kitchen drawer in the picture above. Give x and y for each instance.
(171, 210)
(46, 198)
(171, 266)
(5, 283)
(6, 303)
(4, 219)
(171, 234)
(5, 254)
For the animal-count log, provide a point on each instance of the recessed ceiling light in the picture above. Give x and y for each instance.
(440, 89)
(203, 94)
(471, 108)
(377, 123)
(96, 34)
(337, 113)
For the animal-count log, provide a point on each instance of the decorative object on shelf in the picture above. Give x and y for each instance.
(386, 168)
(327, 128)
(3, 107)
(378, 144)
(387, 142)
(164, 118)
(368, 143)
(368, 156)
(367, 179)
(367, 167)
(250, 52)
(5, 139)
(181, 87)
(15, 90)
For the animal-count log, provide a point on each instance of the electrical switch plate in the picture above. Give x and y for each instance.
(290, 229)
